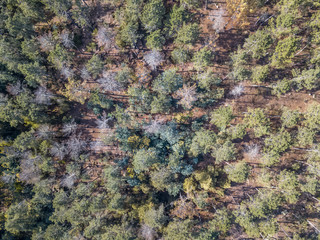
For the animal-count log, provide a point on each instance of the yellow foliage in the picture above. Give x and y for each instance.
(3, 144)
(183, 117)
(189, 185)
(240, 9)
(76, 91)
(27, 122)
(204, 180)
(130, 172)
(134, 141)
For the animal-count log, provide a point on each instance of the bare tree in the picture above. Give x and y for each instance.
(109, 83)
(253, 151)
(8, 178)
(67, 72)
(154, 127)
(105, 38)
(75, 146)
(147, 232)
(66, 39)
(43, 96)
(15, 89)
(69, 180)
(85, 73)
(69, 128)
(103, 121)
(153, 59)
(219, 22)
(29, 170)
(237, 90)
(45, 131)
(188, 95)
(46, 42)
(58, 150)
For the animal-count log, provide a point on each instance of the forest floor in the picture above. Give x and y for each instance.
(223, 43)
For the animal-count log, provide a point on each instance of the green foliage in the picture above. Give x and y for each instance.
(143, 159)
(60, 57)
(222, 117)
(307, 79)
(152, 15)
(178, 230)
(284, 52)
(256, 119)
(281, 87)
(238, 172)
(190, 3)
(258, 44)
(180, 55)
(34, 73)
(269, 228)
(202, 142)
(155, 218)
(239, 61)
(140, 99)
(95, 66)
(155, 40)
(224, 152)
(161, 104)
(168, 82)
(312, 116)
(202, 58)
(305, 136)
(288, 184)
(178, 16)
(278, 143)
(237, 132)
(188, 34)
(208, 79)
(260, 74)
(289, 118)
(221, 221)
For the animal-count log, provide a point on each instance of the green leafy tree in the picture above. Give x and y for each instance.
(95, 66)
(281, 87)
(238, 172)
(269, 228)
(312, 116)
(289, 117)
(161, 104)
(139, 99)
(278, 143)
(34, 73)
(307, 79)
(260, 73)
(256, 119)
(258, 44)
(155, 40)
(178, 229)
(178, 16)
(239, 61)
(202, 142)
(305, 136)
(168, 82)
(143, 159)
(180, 55)
(222, 117)
(202, 58)
(288, 183)
(155, 218)
(152, 15)
(284, 52)
(208, 79)
(190, 3)
(224, 152)
(188, 34)
(221, 221)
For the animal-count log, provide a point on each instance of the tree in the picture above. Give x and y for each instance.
(30, 48)
(43, 96)
(188, 34)
(237, 91)
(178, 16)
(168, 82)
(258, 44)
(75, 146)
(109, 83)
(178, 229)
(256, 119)
(66, 39)
(152, 15)
(238, 172)
(224, 152)
(288, 184)
(34, 73)
(221, 221)
(189, 3)
(312, 116)
(202, 142)
(268, 228)
(281, 87)
(161, 104)
(305, 136)
(260, 73)
(155, 218)
(139, 98)
(284, 52)
(208, 79)
(180, 55)
(105, 38)
(153, 59)
(239, 60)
(289, 118)
(307, 79)
(143, 159)
(187, 95)
(222, 117)
(46, 42)
(278, 143)
(202, 58)
(95, 66)
(155, 40)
